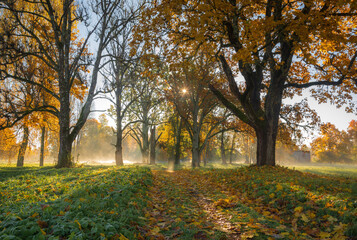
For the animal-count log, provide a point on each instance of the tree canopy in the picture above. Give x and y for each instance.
(268, 50)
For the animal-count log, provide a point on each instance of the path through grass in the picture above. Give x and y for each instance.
(250, 203)
(139, 203)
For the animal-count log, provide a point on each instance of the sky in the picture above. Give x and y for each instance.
(328, 112)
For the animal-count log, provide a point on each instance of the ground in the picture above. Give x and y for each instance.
(134, 202)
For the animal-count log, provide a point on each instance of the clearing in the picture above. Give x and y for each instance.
(140, 203)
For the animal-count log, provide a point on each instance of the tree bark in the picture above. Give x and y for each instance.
(23, 147)
(232, 149)
(178, 142)
(119, 141)
(145, 149)
(266, 141)
(42, 151)
(223, 150)
(195, 149)
(64, 76)
(65, 149)
(195, 137)
(152, 145)
(119, 147)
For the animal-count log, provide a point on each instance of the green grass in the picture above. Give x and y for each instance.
(307, 206)
(78, 203)
(97, 202)
(328, 169)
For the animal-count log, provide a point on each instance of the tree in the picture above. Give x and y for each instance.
(121, 76)
(193, 101)
(50, 27)
(268, 50)
(172, 137)
(332, 146)
(8, 146)
(146, 109)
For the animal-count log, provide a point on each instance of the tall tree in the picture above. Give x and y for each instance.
(51, 28)
(146, 109)
(120, 77)
(268, 50)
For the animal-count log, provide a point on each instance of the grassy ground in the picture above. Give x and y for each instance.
(215, 202)
(80, 203)
(328, 169)
(252, 203)
(342, 170)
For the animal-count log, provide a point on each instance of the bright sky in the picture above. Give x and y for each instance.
(328, 112)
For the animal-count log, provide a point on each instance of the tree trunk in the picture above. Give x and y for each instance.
(208, 154)
(119, 148)
(195, 157)
(195, 148)
(119, 141)
(178, 143)
(195, 137)
(145, 149)
(23, 147)
(152, 145)
(65, 150)
(232, 150)
(223, 150)
(266, 140)
(42, 152)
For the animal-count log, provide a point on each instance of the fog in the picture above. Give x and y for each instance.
(106, 162)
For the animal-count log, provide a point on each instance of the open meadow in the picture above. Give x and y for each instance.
(135, 202)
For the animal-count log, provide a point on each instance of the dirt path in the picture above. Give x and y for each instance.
(184, 207)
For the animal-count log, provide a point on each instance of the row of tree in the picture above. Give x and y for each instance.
(167, 62)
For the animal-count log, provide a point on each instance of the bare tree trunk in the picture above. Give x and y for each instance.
(23, 147)
(119, 141)
(119, 148)
(223, 150)
(175, 161)
(208, 153)
(232, 149)
(195, 148)
(266, 140)
(42, 152)
(145, 149)
(65, 150)
(152, 145)
(178, 142)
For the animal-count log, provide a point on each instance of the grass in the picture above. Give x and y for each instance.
(80, 203)
(329, 169)
(301, 205)
(96, 202)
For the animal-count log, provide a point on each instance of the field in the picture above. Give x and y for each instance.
(239, 202)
